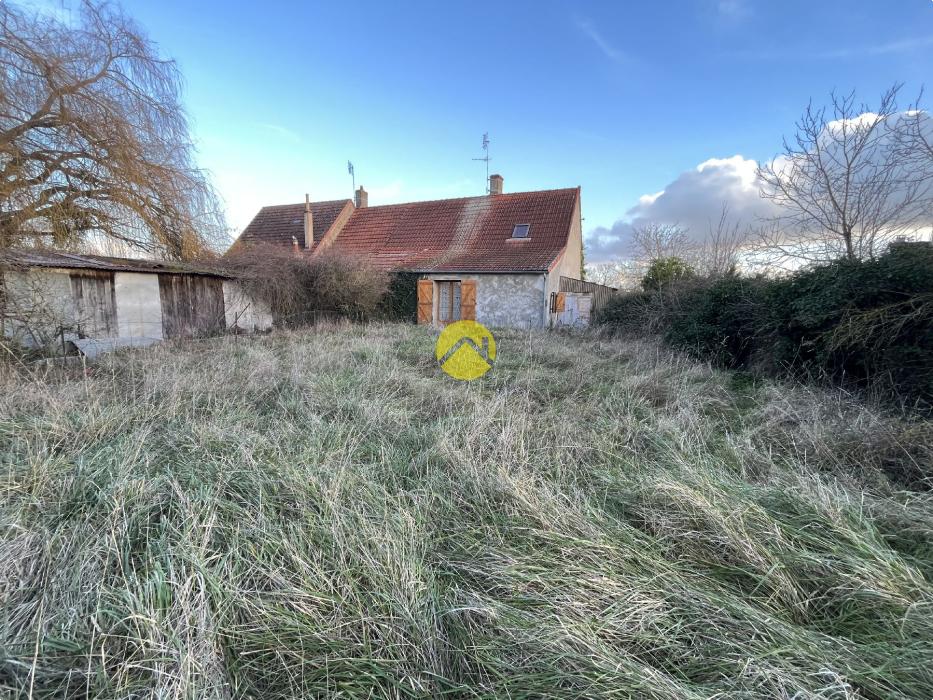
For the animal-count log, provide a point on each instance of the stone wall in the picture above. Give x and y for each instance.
(505, 301)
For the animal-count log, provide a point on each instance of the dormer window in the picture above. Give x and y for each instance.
(521, 230)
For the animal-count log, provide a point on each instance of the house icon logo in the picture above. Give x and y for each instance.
(465, 350)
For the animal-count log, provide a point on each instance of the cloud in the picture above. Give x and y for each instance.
(609, 51)
(896, 46)
(282, 131)
(694, 200)
(891, 47)
(733, 9)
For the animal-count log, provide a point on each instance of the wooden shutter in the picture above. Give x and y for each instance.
(560, 303)
(425, 301)
(468, 300)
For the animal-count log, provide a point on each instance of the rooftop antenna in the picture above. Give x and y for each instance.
(352, 175)
(486, 158)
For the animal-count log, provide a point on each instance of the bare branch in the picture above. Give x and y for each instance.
(844, 186)
(94, 143)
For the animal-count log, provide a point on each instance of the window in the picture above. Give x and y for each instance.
(520, 230)
(448, 301)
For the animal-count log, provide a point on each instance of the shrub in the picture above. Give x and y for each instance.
(865, 324)
(400, 302)
(722, 321)
(862, 321)
(632, 312)
(301, 290)
(665, 271)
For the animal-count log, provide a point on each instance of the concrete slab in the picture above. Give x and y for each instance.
(92, 347)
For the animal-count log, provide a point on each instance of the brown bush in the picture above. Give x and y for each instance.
(300, 290)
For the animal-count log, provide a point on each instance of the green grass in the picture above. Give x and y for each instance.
(326, 514)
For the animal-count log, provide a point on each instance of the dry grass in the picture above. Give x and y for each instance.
(324, 513)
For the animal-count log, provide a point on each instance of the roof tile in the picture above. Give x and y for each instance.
(277, 224)
(469, 234)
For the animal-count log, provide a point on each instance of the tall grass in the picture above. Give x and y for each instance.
(326, 514)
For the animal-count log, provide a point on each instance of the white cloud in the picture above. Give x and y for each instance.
(282, 131)
(647, 199)
(905, 45)
(693, 200)
(890, 47)
(733, 9)
(603, 44)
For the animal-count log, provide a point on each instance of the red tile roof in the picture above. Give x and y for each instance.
(471, 234)
(276, 225)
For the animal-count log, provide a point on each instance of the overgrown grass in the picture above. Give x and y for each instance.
(325, 513)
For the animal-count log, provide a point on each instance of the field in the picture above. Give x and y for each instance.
(325, 514)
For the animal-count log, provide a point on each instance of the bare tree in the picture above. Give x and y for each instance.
(623, 274)
(915, 142)
(841, 185)
(719, 252)
(653, 241)
(94, 144)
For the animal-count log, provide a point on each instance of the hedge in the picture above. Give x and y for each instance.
(864, 324)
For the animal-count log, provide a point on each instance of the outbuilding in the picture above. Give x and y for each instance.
(97, 302)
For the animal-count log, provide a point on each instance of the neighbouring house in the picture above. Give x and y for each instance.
(497, 259)
(98, 303)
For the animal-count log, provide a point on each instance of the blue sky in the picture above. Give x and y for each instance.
(624, 99)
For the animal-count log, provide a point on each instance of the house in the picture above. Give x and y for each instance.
(497, 258)
(97, 302)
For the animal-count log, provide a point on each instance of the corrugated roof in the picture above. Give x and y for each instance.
(52, 258)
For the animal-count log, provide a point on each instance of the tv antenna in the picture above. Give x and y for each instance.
(486, 158)
(352, 173)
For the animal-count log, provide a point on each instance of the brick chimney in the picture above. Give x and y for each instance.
(362, 197)
(309, 224)
(495, 184)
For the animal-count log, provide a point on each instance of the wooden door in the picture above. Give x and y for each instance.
(95, 303)
(449, 297)
(192, 305)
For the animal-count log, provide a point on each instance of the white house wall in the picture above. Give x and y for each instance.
(139, 308)
(505, 301)
(570, 262)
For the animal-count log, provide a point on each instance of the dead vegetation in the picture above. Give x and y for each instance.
(94, 142)
(303, 290)
(324, 513)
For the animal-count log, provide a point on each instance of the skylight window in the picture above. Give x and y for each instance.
(520, 230)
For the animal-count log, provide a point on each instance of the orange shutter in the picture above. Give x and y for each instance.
(425, 301)
(468, 300)
(559, 303)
